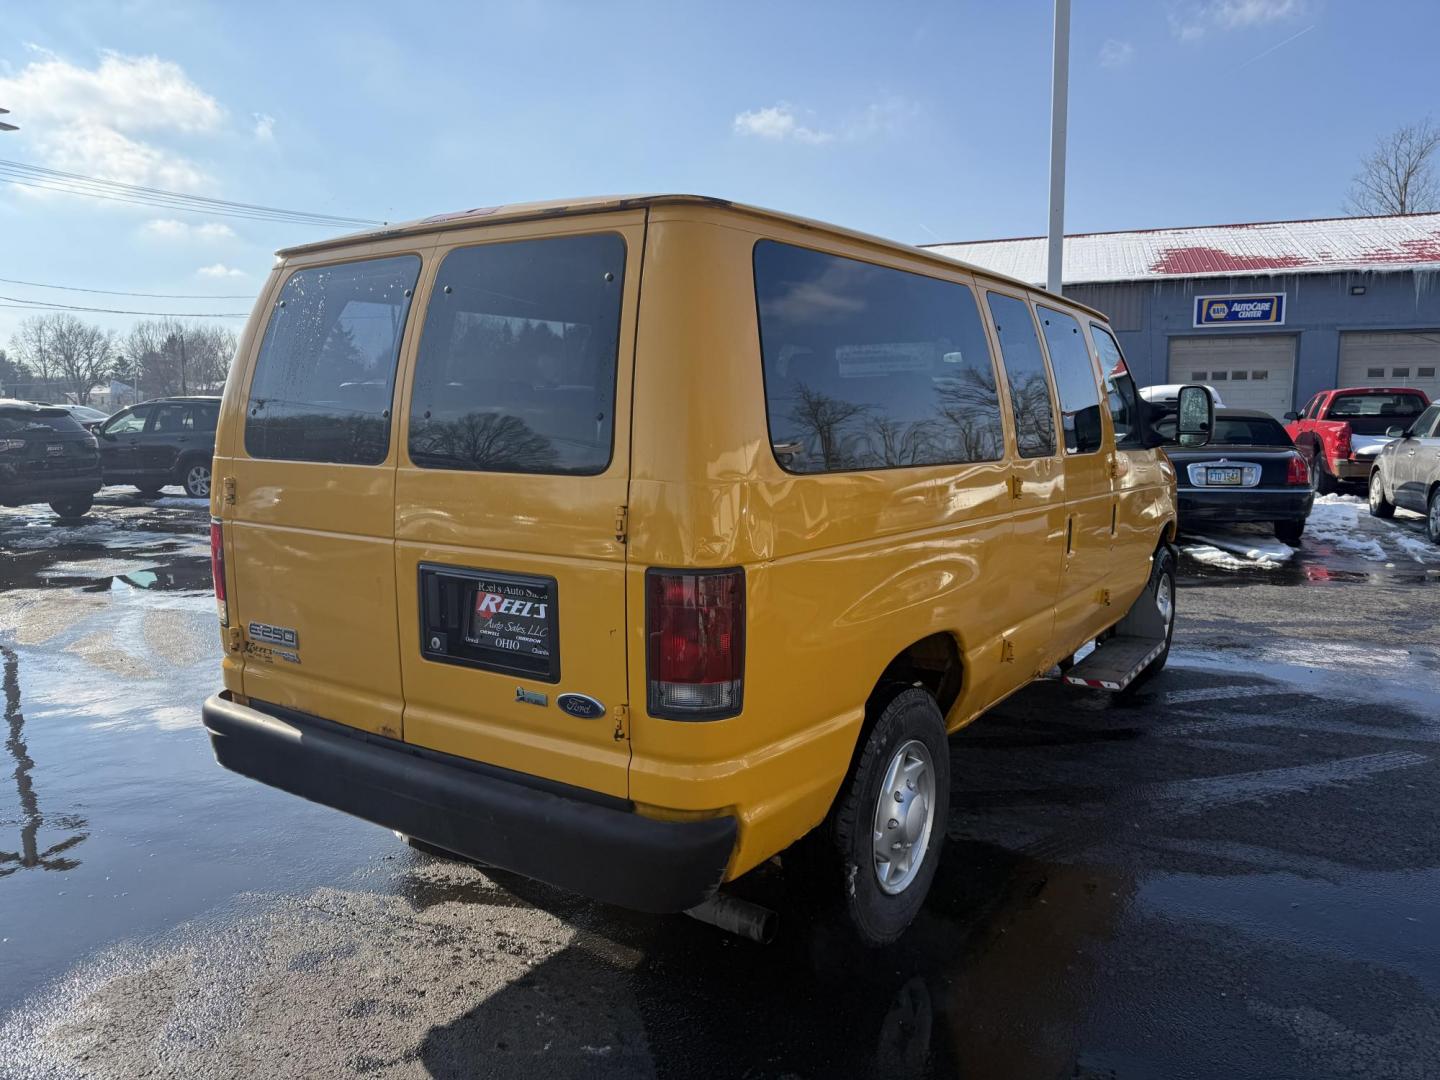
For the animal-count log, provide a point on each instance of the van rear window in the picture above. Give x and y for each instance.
(326, 373)
(516, 370)
(867, 367)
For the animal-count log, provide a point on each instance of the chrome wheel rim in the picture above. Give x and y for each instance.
(197, 480)
(904, 817)
(1435, 517)
(1165, 601)
(1375, 491)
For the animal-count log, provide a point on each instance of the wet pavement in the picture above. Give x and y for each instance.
(1235, 873)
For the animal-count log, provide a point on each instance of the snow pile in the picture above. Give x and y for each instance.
(1237, 550)
(1335, 520)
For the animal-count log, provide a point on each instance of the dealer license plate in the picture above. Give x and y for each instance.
(1224, 477)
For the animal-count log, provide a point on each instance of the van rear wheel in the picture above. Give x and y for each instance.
(883, 838)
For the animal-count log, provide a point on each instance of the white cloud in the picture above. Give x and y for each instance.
(170, 229)
(781, 122)
(220, 270)
(84, 119)
(264, 129)
(1193, 21)
(1116, 54)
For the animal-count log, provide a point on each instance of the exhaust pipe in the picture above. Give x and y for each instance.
(736, 916)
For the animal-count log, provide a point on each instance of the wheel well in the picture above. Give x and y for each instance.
(932, 662)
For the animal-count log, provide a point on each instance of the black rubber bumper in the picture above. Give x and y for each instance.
(572, 838)
(1218, 507)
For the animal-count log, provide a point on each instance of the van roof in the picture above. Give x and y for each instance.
(596, 204)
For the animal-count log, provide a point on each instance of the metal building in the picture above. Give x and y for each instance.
(1269, 313)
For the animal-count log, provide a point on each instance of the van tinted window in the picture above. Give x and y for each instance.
(1025, 375)
(1075, 380)
(1120, 391)
(516, 371)
(868, 367)
(325, 376)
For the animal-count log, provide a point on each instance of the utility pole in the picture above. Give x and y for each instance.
(1059, 95)
(183, 389)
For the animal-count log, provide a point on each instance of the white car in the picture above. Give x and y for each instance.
(1169, 393)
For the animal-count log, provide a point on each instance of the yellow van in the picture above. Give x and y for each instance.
(624, 543)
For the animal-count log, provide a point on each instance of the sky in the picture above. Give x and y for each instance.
(924, 122)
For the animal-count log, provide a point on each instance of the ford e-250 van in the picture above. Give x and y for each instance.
(625, 543)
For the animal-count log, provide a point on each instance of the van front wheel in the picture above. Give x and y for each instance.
(888, 826)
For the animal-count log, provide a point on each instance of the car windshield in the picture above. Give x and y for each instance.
(19, 421)
(84, 412)
(1250, 431)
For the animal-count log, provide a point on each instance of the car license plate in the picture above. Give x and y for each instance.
(1224, 477)
(55, 449)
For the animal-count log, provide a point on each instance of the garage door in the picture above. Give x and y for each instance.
(1255, 372)
(1391, 359)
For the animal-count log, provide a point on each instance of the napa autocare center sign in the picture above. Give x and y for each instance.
(1240, 309)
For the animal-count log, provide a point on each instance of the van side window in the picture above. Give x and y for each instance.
(1025, 375)
(1075, 379)
(1120, 391)
(326, 372)
(516, 369)
(867, 367)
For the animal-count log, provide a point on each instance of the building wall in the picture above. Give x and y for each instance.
(1318, 309)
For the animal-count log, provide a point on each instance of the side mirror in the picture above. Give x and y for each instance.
(1195, 418)
(1292, 416)
(1395, 431)
(105, 434)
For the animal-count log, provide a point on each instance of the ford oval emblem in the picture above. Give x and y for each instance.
(581, 705)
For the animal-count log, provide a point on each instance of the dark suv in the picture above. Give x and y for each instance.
(46, 456)
(165, 441)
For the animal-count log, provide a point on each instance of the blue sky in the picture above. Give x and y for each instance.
(923, 122)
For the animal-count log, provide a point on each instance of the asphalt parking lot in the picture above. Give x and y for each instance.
(1235, 873)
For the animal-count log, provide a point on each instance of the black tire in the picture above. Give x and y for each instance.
(76, 506)
(844, 847)
(1380, 506)
(149, 490)
(1140, 621)
(195, 478)
(1289, 532)
(1320, 478)
(1432, 516)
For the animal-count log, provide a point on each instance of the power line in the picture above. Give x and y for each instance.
(36, 305)
(117, 292)
(38, 177)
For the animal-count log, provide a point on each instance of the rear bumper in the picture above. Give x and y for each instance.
(26, 491)
(1239, 505)
(569, 837)
(1348, 469)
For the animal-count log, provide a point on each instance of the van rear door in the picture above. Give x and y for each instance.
(510, 496)
(310, 534)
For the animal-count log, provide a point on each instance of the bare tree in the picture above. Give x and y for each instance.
(167, 356)
(1398, 176)
(61, 348)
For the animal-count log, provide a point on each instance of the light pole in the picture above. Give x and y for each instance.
(1059, 94)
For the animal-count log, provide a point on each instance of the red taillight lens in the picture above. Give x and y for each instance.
(695, 629)
(1299, 472)
(217, 570)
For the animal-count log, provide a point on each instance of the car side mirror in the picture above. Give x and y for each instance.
(1292, 416)
(1195, 416)
(105, 434)
(1395, 431)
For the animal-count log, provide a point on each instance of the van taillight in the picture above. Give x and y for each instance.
(695, 629)
(217, 570)
(1299, 472)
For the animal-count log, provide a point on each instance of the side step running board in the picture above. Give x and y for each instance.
(1114, 665)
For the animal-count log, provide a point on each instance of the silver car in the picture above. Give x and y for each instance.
(1407, 471)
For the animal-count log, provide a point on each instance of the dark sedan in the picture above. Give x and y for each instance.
(46, 456)
(1249, 472)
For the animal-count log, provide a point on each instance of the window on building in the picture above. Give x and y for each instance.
(1075, 379)
(1239, 376)
(1199, 376)
(1375, 373)
(1425, 373)
(1401, 373)
(325, 376)
(868, 367)
(1219, 376)
(1257, 374)
(517, 360)
(1025, 375)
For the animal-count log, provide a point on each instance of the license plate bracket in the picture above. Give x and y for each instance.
(493, 620)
